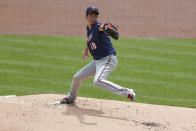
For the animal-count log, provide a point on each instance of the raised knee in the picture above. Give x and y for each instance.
(76, 77)
(96, 82)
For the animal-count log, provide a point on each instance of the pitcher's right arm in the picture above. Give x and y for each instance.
(85, 54)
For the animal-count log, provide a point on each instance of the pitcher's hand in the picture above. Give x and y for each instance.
(85, 55)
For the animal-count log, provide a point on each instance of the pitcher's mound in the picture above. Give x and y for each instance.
(43, 113)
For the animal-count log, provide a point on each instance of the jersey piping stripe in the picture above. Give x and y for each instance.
(102, 73)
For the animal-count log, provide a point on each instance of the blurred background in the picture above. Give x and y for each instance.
(135, 18)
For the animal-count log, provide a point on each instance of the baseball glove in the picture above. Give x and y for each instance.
(111, 30)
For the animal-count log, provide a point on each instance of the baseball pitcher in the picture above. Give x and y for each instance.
(105, 59)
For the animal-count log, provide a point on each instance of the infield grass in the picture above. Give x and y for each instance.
(161, 71)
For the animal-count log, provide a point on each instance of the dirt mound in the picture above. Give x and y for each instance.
(40, 113)
(136, 18)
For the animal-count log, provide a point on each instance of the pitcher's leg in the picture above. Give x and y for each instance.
(86, 72)
(103, 70)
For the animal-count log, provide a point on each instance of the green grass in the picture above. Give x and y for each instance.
(161, 71)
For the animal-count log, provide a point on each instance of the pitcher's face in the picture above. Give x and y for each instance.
(91, 18)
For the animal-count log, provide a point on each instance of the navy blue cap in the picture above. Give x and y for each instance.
(92, 9)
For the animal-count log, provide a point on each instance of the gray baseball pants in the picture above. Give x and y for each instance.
(100, 69)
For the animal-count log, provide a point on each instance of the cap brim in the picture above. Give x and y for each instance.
(93, 12)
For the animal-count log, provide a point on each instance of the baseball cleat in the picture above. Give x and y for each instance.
(131, 96)
(66, 100)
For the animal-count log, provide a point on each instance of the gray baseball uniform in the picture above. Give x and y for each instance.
(105, 61)
(100, 69)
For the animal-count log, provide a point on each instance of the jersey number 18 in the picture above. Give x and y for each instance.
(93, 46)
